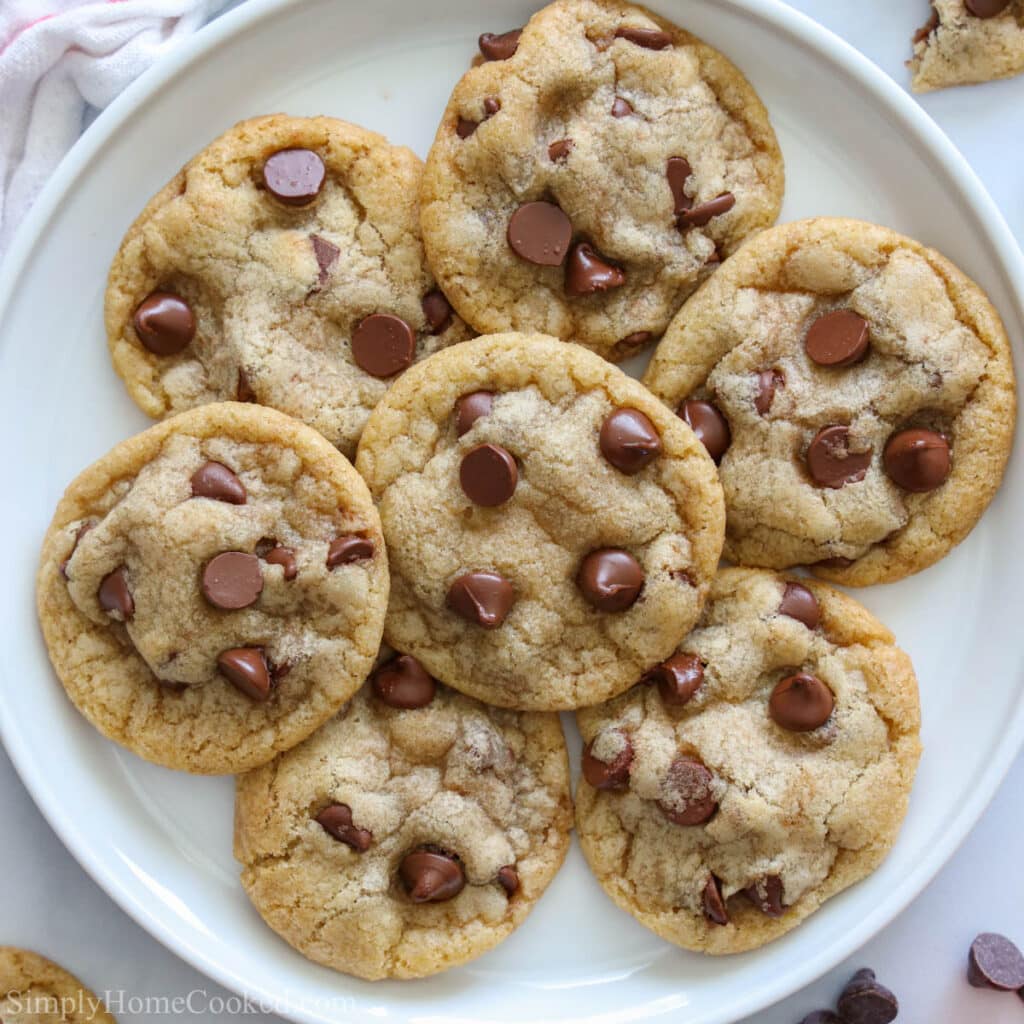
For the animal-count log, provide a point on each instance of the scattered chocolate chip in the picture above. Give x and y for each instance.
(499, 47)
(714, 906)
(865, 1001)
(243, 389)
(351, 548)
(927, 28)
(336, 821)
(586, 272)
(621, 107)
(164, 323)
(612, 774)
(285, 558)
(766, 895)
(830, 461)
(214, 480)
(232, 580)
(678, 679)
(799, 603)
(629, 440)
(383, 345)
(540, 233)
(986, 8)
(431, 877)
(294, 176)
(508, 879)
(483, 598)
(404, 683)
(437, 310)
(688, 799)
(326, 253)
(699, 216)
(469, 408)
(79, 534)
(491, 106)
(488, 475)
(710, 426)
(995, 962)
(822, 1017)
(114, 595)
(839, 338)
(610, 579)
(247, 670)
(560, 150)
(464, 127)
(648, 38)
(677, 171)
(917, 460)
(768, 382)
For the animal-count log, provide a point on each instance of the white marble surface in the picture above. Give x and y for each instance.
(51, 905)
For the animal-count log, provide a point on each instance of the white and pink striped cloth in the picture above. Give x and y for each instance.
(58, 58)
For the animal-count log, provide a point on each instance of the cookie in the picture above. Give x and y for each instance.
(759, 771)
(34, 989)
(283, 265)
(968, 41)
(412, 832)
(859, 392)
(214, 589)
(552, 529)
(591, 172)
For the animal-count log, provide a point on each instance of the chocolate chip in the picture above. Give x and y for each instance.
(995, 962)
(499, 47)
(326, 254)
(713, 904)
(830, 461)
(610, 579)
(383, 345)
(699, 216)
(768, 382)
(612, 774)
(79, 534)
(621, 107)
(677, 171)
(631, 342)
(986, 8)
(464, 127)
(766, 895)
(431, 877)
(350, 548)
(839, 338)
(917, 460)
(114, 595)
(491, 106)
(799, 603)
(488, 475)
(243, 389)
(677, 679)
(469, 408)
(560, 150)
(336, 821)
(294, 176)
(822, 1017)
(404, 683)
(540, 233)
(865, 1001)
(247, 670)
(508, 879)
(710, 426)
(648, 38)
(437, 310)
(285, 558)
(483, 598)
(629, 440)
(164, 323)
(927, 28)
(214, 480)
(232, 580)
(586, 272)
(688, 799)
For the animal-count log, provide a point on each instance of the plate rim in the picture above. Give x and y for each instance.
(890, 97)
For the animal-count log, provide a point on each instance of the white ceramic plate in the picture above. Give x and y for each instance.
(160, 843)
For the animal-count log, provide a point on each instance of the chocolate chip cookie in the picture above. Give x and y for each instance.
(761, 769)
(214, 589)
(283, 265)
(591, 172)
(968, 41)
(858, 392)
(552, 528)
(35, 989)
(411, 833)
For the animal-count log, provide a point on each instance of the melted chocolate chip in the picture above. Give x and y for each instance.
(986, 8)
(612, 774)
(336, 821)
(586, 272)
(621, 107)
(711, 427)
(917, 460)
(687, 795)
(629, 440)
(284, 557)
(799, 603)
(678, 171)
(700, 215)
(540, 233)
(508, 879)
(383, 345)
(766, 895)
(559, 150)
(648, 38)
(431, 876)
(469, 408)
(403, 683)
(610, 579)
(351, 548)
(488, 475)
(214, 480)
(232, 580)
(247, 670)
(768, 382)
(801, 703)
(437, 311)
(326, 254)
(114, 595)
(839, 338)
(714, 906)
(499, 47)
(294, 176)
(678, 679)
(830, 461)
(164, 323)
(483, 598)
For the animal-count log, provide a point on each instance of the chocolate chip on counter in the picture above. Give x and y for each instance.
(232, 580)
(483, 598)
(336, 821)
(799, 603)
(839, 338)
(766, 895)
(469, 408)
(865, 1001)
(499, 46)
(917, 460)
(114, 595)
(294, 176)
(437, 310)
(822, 1017)
(713, 904)
(612, 774)
(560, 150)
(648, 38)
(699, 216)
(768, 382)
(995, 962)
(678, 679)
(801, 703)
(214, 480)
(383, 345)
(586, 272)
(431, 876)
(677, 171)
(629, 440)
(688, 798)
(830, 461)
(488, 475)
(986, 8)
(243, 389)
(164, 323)
(350, 548)
(540, 233)
(284, 557)
(710, 426)
(621, 107)
(326, 254)
(508, 879)
(403, 683)
(247, 670)
(610, 579)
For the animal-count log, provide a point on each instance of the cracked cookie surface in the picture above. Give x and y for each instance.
(625, 125)
(214, 588)
(868, 388)
(34, 990)
(268, 296)
(484, 789)
(804, 786)
(550, 544)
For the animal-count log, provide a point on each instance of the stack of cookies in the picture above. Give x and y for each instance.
(379, 651)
